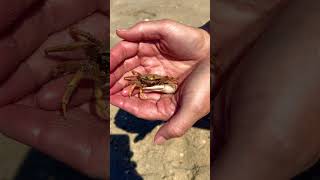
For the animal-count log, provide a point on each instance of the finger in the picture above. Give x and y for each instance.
(228, 28)
(121, 52)
(33, 30)
(10, 11)
(80, 141)
(50, 95)
(10, 88)
(237, 33)
(145, 109)
(29, 100)
(145, 31)
(194, 104)
(37, 69)
(178, 125)
(167, 36)
(125, 67)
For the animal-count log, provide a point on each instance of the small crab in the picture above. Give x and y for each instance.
(151, 83)
(94, 68)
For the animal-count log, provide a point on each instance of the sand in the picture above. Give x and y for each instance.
(133, 154)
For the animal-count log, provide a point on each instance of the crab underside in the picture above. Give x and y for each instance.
(151, 83)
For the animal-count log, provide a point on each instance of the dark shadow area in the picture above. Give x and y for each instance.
(38, 166)
(120, 154)
(132, 124)
(311, 174)
(122, 168)
(203, 123)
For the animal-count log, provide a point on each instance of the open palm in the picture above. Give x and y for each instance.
(165, 48)
(30, 98)
(170, 56)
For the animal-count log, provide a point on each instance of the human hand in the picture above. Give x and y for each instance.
(269, 103)
(164, 47)
(232, 35)
(30, 99)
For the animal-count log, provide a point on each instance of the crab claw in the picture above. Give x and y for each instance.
(164, 88)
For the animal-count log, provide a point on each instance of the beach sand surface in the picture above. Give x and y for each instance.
(133, 154)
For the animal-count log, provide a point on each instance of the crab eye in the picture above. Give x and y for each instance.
(154, 77)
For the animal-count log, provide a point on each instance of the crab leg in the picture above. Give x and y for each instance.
(130, 78)
(132, 89)
(70, 89)
(99, 93)
(142, 95)
(76, 34)
(135, 73)
(67, 67)
(67, 47)
(101, 104)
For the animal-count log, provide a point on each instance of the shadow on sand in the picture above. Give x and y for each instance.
(132, 124)
(122, 168)
(38, 166)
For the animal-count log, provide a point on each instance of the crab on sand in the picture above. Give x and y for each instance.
(93, 68)
(151, 83)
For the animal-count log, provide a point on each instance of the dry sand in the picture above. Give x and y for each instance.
(181, 159)
(133, 155)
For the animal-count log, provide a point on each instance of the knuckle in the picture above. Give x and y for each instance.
(112, 55)
(140, 28)
(140, 25)
(121, 51)
(200, 108)
(122, 46)
(176, 131)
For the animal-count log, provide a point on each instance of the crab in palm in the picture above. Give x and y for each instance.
(151, 83)
(93, 68)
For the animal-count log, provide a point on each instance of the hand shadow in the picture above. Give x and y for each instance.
(312, 173)
(121, 167)
(132, 124)
(38, 166)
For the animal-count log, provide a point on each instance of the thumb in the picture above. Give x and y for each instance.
(194, 105)
(179, 124)
(145, 31)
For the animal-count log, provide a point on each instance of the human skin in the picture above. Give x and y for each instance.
(233, 34)
(30, 98)
(270, 101)
(169, 48)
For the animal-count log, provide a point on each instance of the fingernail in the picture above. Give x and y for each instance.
(159, 140)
